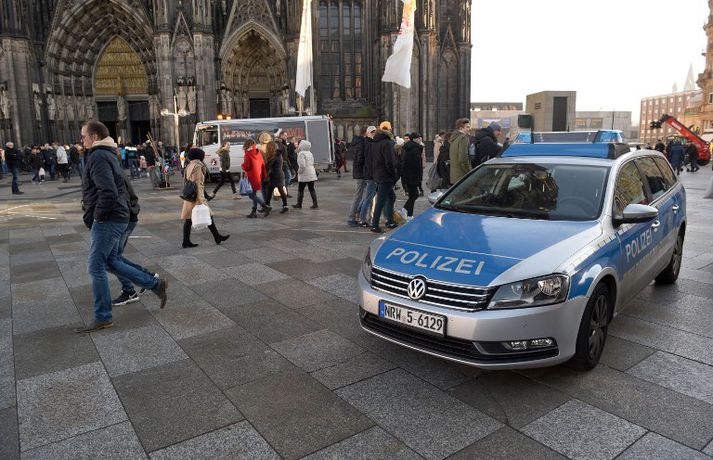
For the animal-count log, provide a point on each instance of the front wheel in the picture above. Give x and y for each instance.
(593, 329)
(669, 275)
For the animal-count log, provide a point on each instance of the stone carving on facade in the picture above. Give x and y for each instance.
(51, 106)
(60, 107)
(37, 101)
(121, 108)
(89, 104)
(182, 98)
(80, 108)
(4, 103)
(226, 99)
(250, 10)
(69, 104)
(192, 99)
(154, 106)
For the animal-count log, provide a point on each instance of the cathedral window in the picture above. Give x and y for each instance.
(340, 46)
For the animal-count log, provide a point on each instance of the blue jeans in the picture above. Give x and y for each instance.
(257, 200)
(104, 256)
(358, 198)
(126, 285)
(385, 199)
(4, 167)
(369, 192)
(134, 167)
(15, 176)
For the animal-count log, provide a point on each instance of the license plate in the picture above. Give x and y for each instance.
(428, 322)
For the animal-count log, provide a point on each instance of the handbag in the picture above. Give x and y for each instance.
(190, 191)
(245, 187)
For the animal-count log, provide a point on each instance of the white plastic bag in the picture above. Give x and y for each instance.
(200, 216)
(709, 191)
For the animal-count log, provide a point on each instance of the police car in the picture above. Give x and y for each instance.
(525, 261)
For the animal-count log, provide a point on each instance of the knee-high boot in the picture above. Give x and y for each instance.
(216, 236)
(187, 234)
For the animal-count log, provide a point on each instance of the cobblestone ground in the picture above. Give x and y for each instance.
(259, 353)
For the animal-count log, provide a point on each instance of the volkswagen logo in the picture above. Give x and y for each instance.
(416, 289)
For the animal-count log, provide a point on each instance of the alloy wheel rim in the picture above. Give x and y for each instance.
(597, 325)
(677, 256)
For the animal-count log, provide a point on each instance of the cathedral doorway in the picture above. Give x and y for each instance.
(255, 83)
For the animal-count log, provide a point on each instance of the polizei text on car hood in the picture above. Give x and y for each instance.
(474, 249)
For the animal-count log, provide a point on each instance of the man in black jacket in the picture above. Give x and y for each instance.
(357, 151)
(106, 214)
(13, 158)
(385, 172)
(486, 144)
(369, 184)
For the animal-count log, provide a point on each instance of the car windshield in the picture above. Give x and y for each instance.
(531, 191)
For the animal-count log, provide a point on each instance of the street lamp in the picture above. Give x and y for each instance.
(175, 114)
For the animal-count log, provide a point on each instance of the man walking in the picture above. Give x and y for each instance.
(369, 184)
(357, 147)
(13, 158)
(224, 155)
(107, 215)
(385, 173)
(458, 153)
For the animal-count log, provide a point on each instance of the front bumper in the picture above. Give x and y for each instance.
(474, 338)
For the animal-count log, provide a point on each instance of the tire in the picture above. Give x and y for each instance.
(703, 162)
(669, 275)
(592, 334)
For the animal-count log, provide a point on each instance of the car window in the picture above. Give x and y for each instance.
(666, 170)
(531, 191)
(629, 189)
(653, 175)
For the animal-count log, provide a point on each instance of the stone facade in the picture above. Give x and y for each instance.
(126, 61)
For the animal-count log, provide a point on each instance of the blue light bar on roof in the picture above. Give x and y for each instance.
(566, 150)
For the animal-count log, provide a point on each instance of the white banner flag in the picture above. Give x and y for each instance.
(304, 53)
(398, 66)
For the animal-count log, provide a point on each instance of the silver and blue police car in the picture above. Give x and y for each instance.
(525, 261)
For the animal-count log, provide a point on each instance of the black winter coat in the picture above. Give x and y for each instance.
(133, 200)
(357, 147)
(102, 188)
(37, 161)
(13, 158)
(292, 156)
(275, 174)
(411, 170)
(368, 150)
(486, 145)
(384, 164)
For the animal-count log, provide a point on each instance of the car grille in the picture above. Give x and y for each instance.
(441, 294)
(450, 346)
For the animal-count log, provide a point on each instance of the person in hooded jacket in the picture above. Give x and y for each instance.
(411, 172)
(307, 174)
(486, 143)
(275, 176)
(356, 148)
(675, 155)
(196, 171)
(254, 167)
(385, 172)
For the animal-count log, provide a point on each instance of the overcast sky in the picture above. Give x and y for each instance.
(612, 52)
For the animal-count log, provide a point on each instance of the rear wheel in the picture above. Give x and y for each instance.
(669, 275)
(593, 329)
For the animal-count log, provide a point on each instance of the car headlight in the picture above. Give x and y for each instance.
(535, 292)
(366, 266)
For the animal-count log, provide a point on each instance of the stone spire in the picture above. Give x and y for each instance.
(690, 81)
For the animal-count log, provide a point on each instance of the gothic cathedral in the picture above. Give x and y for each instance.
(127, 61)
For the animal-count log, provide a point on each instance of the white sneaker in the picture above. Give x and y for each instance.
(403, 213)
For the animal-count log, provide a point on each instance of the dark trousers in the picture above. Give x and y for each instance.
(281, 189)
(301, 192)
(412, 192)
(63, 170)
(223, 176)
(385, 198)
(15, 175)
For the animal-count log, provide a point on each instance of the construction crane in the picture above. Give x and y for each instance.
(704, 153)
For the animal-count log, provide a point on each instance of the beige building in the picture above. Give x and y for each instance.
(612, 119)
(482, 114)
(552, 110)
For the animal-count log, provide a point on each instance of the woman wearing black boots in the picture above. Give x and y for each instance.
(195, 171)
(306, 174)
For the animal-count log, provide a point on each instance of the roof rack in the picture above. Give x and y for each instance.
(610, 151)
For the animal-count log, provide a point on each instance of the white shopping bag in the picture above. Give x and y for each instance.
(201, 216)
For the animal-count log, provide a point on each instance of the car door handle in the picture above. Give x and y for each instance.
(655, 225)
(676, 208)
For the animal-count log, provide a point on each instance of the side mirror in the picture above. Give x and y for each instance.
(435, 196)
(636, 214)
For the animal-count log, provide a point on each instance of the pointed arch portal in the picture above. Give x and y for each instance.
(254, 70)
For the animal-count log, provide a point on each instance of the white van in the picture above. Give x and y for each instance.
(209, 135)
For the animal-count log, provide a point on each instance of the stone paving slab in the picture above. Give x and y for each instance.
(184, 322)
(691, 313)
(317, 350)
(296, 414)
(172, 403)
(372, 444)
(270, 321)
(653, 446)
(7, 365)
(676, 373)
(9, 436)
(431, 423)
(621, 354)
(235, 441)
(116, 442)
(581, 431)
(53, 407)
(294, 293)
(359, 367)
(506, 444)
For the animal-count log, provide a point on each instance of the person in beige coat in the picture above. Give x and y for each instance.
(195, 171)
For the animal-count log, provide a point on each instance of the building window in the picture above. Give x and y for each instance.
(340, 45)
(710, 97)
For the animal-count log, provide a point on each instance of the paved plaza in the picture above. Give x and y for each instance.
(259, 353)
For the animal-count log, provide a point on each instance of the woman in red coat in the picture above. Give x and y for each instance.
(254, 167)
